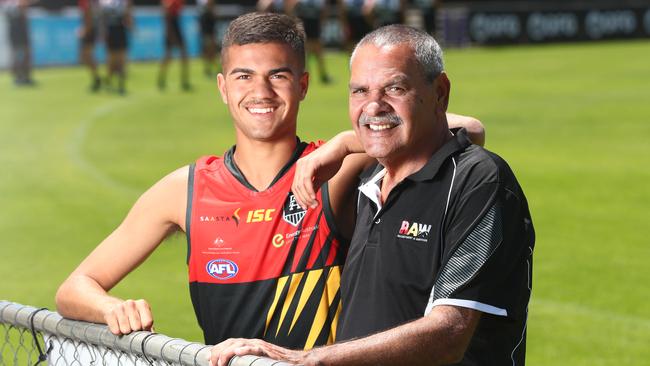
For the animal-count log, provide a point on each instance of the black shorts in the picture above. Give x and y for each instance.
(429, 16)
(18, 31)
(358, 27)
(88, 39)
(173, 35)
(207, 22)
(312, 27)
(116, 39)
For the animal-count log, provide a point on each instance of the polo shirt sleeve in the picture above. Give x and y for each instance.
(487, 256)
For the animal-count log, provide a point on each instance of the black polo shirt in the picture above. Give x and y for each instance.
(457, 232)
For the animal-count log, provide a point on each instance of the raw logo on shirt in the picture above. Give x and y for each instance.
(414, 231)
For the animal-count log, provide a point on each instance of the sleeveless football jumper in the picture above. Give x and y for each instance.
(259, 265)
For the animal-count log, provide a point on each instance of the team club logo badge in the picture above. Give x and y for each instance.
(291, 211)
(222, 269)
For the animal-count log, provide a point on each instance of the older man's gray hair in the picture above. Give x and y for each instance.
(427, 51)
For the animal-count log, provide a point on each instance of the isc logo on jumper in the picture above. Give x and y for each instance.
(414, 231)
(291, 211)
(222, 269)
(261, 215)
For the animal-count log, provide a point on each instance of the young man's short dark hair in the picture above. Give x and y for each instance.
(266, 28)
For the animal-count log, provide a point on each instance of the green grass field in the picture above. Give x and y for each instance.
(572, 120)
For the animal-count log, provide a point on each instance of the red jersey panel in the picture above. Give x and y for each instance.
(259, 265)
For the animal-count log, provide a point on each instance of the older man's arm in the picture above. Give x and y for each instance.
(440, 338)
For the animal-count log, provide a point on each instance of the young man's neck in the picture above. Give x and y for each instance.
(261, 161)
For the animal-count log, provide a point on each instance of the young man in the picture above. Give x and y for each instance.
(429, 11)
(173, 40)
(87, 38)
(259, 265)
(19, 39)
(207, 21)
(440, 263)
(386, 12)
(312, 13)
(117, 20)
(355, 20)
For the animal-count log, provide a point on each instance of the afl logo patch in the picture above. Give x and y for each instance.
(291, 211)
(222, 269)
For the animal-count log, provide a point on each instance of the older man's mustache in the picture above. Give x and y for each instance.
(391, 118)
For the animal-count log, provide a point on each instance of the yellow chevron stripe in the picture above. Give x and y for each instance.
(278, 290)
(293, 286)
(310, 283)
(333, 284)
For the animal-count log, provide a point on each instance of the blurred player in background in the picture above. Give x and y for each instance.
(385, 12)
(355, 23)
(312, 13)
(207, 21)
(116, 15)
(271, 6)
(173, 39)
(428, 9)
(87, 37)
(21, 53)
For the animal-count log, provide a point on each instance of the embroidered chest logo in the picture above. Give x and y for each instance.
(291, 211)
(414, 231)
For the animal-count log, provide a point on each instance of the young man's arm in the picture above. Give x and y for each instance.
(439, 338)
(84, 294)
(327, 163)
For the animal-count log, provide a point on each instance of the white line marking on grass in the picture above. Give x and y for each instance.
(76, 154)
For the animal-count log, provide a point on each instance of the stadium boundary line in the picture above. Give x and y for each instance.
(78, 158)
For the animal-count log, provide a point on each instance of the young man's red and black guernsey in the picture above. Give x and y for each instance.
(259, 265)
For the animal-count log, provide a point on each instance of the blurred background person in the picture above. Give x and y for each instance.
(312, 13)
(428, 9)
(207, 22)
(354, 21)
(273, 6)
(89, 10)
(21, 52)
(116, 15)
(173, 40)
(385, 12)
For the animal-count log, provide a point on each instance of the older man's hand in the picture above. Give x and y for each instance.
(221, 353)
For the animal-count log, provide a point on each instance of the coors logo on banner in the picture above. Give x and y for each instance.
(291, 211)
(486, 28)
(541, 26)
(599, 24)
(552, 21)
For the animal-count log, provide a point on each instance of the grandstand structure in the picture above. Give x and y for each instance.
(32, 336)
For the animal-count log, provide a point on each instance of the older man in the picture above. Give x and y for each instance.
(439, 267)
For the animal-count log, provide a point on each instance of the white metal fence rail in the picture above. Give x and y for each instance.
(31, 336)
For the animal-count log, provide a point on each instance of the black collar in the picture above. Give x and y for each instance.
(459, 142)
(229, 161)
